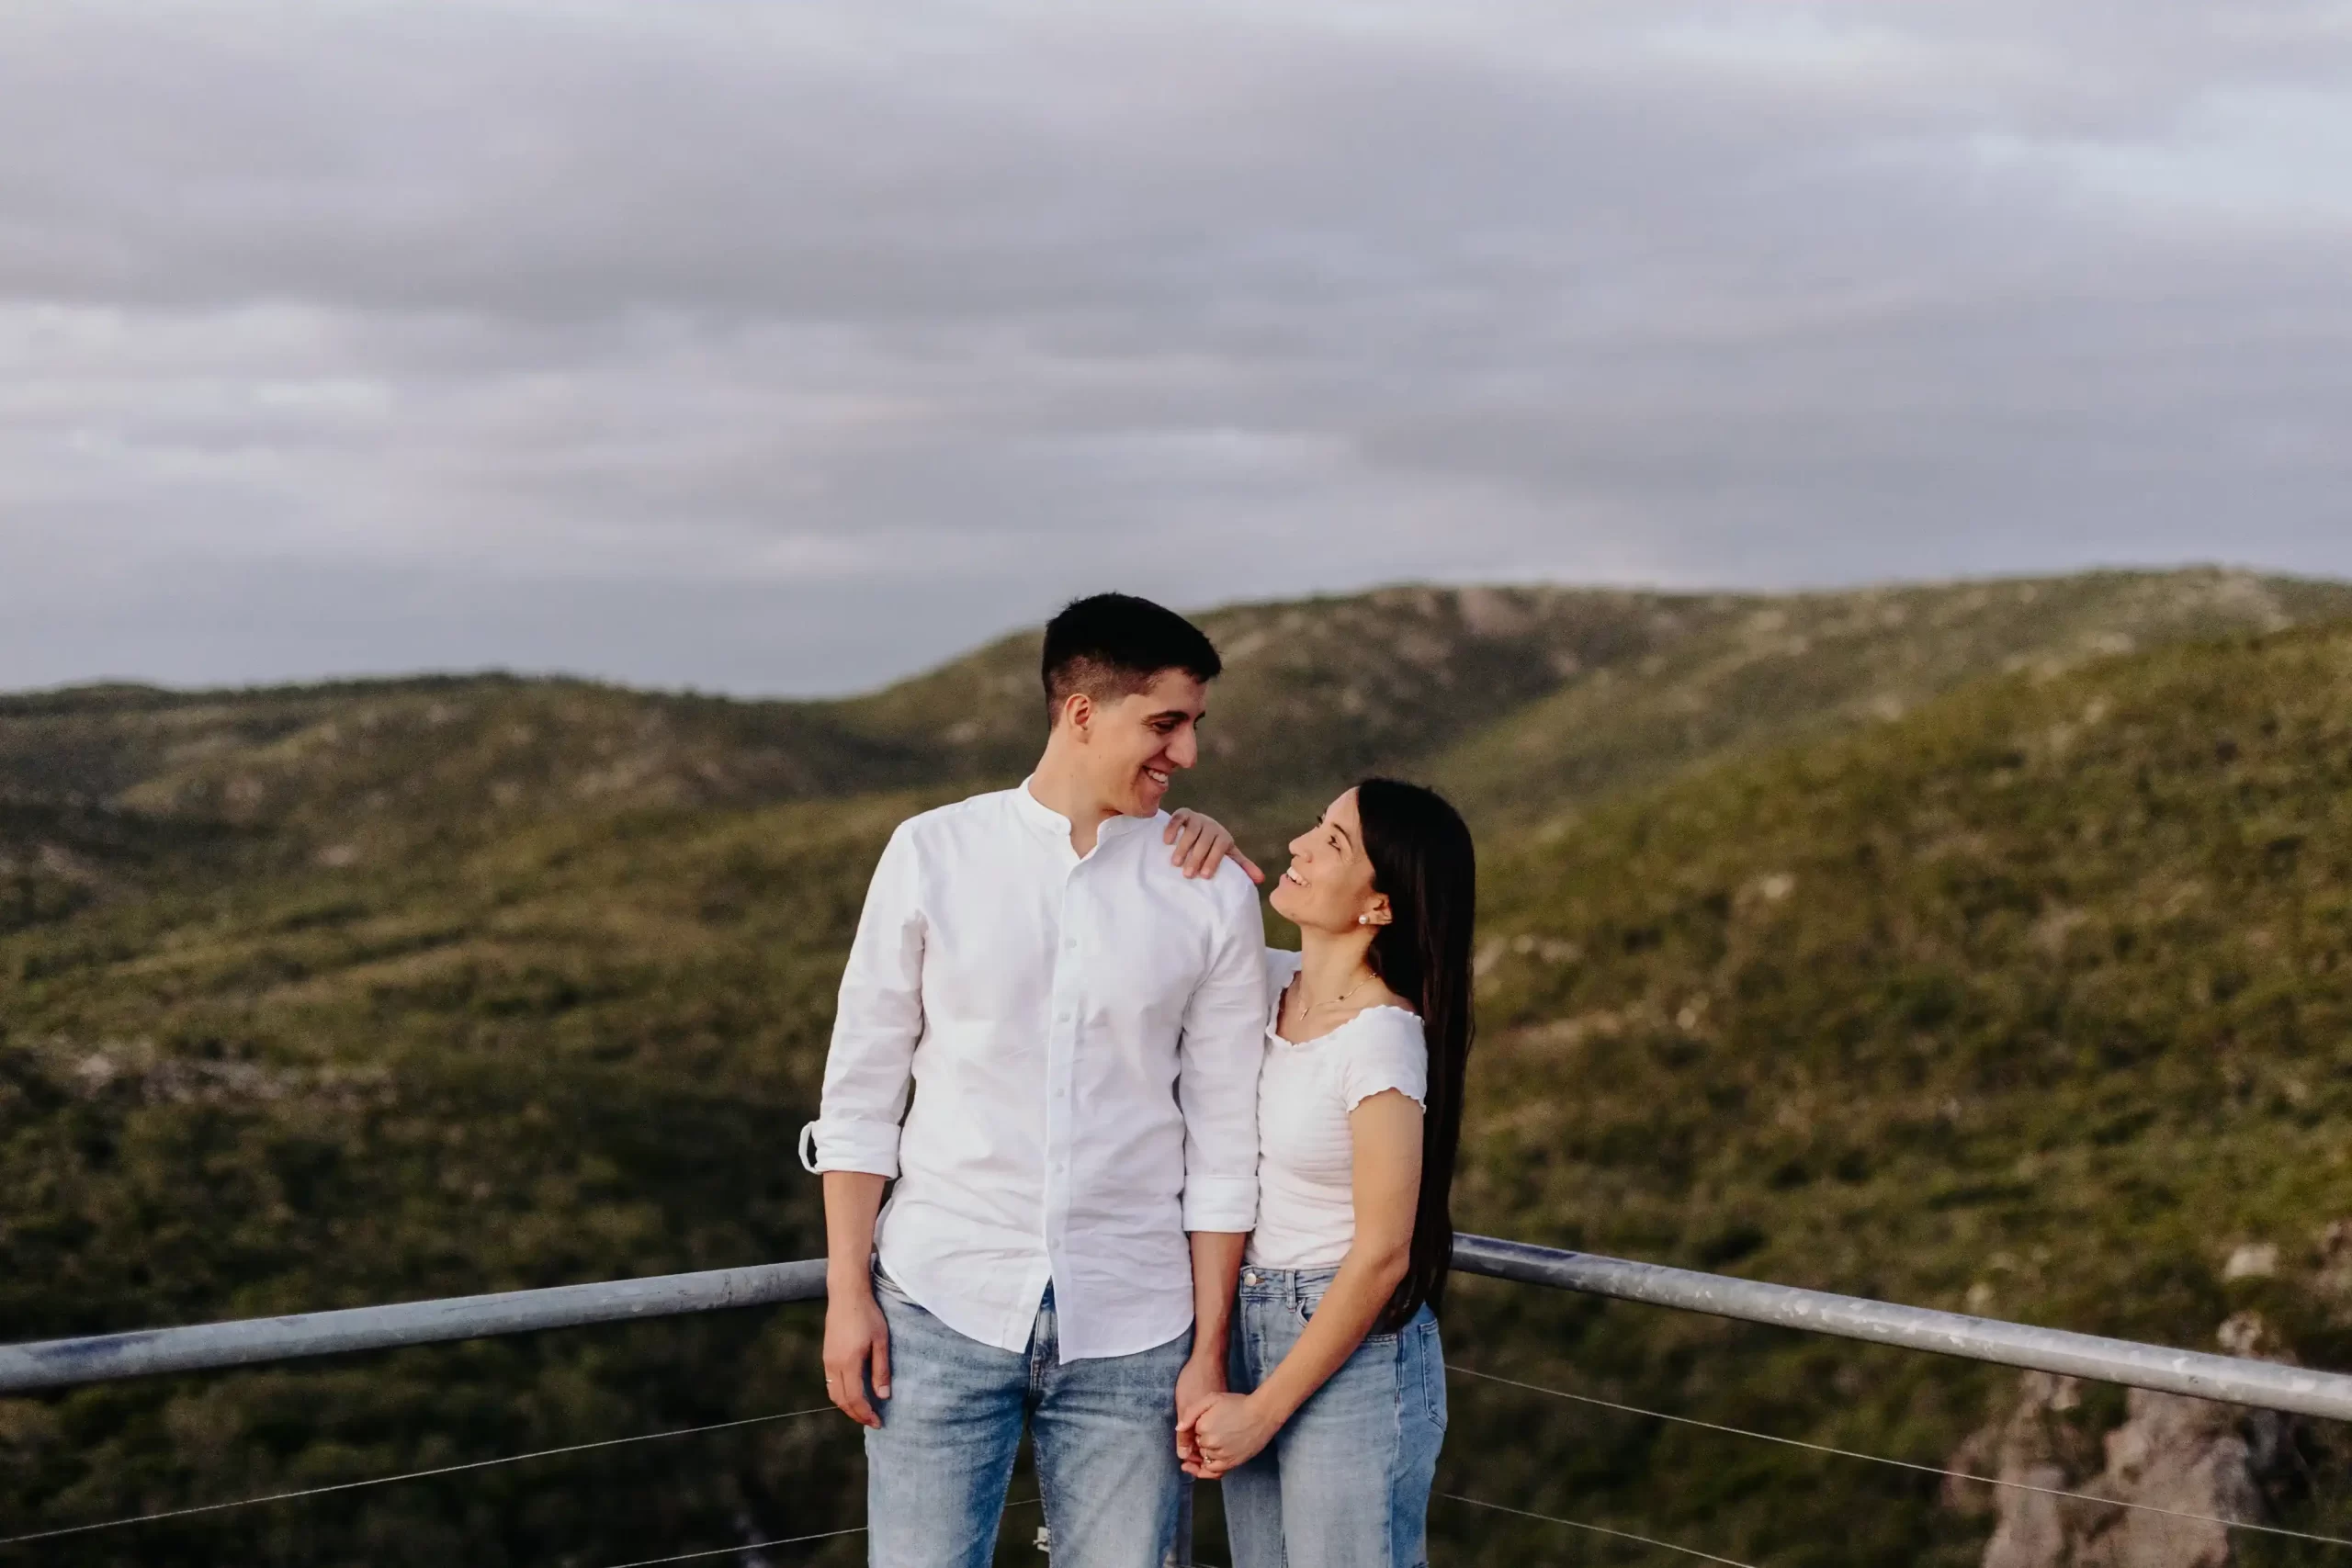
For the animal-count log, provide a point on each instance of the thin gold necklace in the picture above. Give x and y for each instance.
(1342, 997)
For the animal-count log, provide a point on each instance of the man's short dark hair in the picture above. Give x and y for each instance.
(1115, 645)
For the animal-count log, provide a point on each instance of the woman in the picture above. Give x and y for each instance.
(1328, 1442)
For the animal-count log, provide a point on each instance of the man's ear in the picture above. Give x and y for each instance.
(1077, 713)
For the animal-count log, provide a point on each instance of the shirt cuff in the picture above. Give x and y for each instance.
(1221, 1203)
(862, 1147)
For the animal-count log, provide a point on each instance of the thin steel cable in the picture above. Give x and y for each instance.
(405, 1475)
(747, 1546)
(1905, 1463)
(781, 1540)
(1599, 1530)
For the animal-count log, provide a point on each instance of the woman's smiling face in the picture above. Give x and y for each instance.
(1329, 882)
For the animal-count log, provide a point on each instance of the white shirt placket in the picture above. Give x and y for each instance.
(1061, 1061)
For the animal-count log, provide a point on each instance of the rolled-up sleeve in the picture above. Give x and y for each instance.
(869, 1067)
(1217, 1081)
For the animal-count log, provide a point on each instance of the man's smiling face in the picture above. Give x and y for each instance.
(1136, 742)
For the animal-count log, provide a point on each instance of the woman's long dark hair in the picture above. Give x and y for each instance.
(1422, 859)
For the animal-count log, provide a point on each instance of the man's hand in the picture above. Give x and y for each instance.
(1202, 1381)
(856, 1334)
(1202, 841)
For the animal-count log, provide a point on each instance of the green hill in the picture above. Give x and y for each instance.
(1517, 699)
(2033, 1003)
(1768, 673)
(1817, 947)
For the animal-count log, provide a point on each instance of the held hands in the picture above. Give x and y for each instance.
(856, 1334)
(1216, 1430)
(1225, 1433)
(1201, 842)
(1202, 1379)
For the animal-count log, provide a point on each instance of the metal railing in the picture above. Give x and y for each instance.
(62, 1363)
(58, 1363)
(2232, 1380)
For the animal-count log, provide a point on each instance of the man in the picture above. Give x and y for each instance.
(1080, 1024)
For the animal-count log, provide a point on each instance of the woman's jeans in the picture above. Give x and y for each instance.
(1346, 1483)
(938, 1469)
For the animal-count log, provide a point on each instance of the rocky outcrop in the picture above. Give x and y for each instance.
(2184, 1456)
(2039, 1444)
(2188, 1456)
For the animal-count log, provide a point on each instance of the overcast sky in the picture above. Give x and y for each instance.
(789, 346)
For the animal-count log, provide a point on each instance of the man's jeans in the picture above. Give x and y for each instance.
(937, 1470)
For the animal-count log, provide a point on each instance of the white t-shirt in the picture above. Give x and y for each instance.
(1307, 1211)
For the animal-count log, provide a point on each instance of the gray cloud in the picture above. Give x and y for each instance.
(786, 347)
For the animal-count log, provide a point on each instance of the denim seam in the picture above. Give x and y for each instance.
(1396, 1452)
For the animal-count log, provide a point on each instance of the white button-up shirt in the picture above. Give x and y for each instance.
(1081, 1038)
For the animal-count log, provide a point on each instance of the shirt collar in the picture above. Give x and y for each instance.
(1047, 820)
(1038, 814)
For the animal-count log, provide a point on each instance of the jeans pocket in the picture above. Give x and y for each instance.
(1307, 1312)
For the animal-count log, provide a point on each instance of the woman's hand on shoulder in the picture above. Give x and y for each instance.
(1201, 842)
